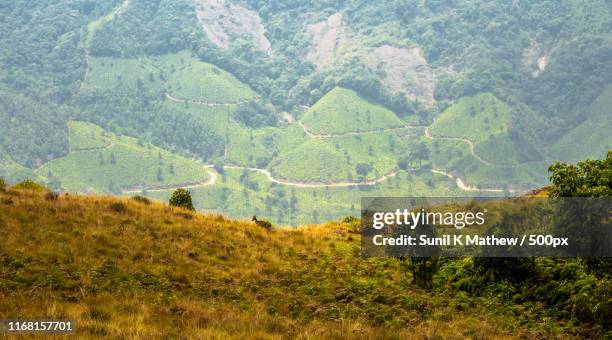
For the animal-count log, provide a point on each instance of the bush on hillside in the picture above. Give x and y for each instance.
(141, 199)
(2, 184)
(118, 207)
(29, 184)
(52, 196)
(181, 198)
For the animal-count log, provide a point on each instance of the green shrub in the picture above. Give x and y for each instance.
(29, 184)
(2, 184)
(181, 198)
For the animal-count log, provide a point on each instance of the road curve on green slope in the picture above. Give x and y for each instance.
(208, 103)
(311, 184)
(351, 133)
(471, 146)
(212, 179)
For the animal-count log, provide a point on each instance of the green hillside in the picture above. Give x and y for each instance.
(593, 137)
(523, 84)
(342, 110)
(244, 193)
(12, 171)
(181, 75)
(103, 162)
(106, 73)
(336, 159)
(484, 120)
(191, 79)
(315, 160)
(84, 136)
(455, 157)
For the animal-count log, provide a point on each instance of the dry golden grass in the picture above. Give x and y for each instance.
(123, 269)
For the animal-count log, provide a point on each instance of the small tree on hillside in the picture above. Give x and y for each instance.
(363, 169)
(420, 153)
(181, 198)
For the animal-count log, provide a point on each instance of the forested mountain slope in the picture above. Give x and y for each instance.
(254, 83)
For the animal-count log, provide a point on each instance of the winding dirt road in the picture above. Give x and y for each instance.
(212, 179)
(314, 184)
(467, 187)
(351, 133)
(469, 143)
(471, 146)
(207, 103)
(340, 184)
(460, 183)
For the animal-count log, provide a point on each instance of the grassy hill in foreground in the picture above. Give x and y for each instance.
(124, 268)
(342, 110)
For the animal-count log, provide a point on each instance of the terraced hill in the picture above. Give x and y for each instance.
(193, 80)
(342, 110)
(483, 122)
(103, 162)
(181, 76)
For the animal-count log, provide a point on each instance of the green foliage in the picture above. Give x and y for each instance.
(256, 115)
(113, 62)
(590, 178)
(31, 132)
(146, 27)
(29, 185)
(505, 268)
(181, 198)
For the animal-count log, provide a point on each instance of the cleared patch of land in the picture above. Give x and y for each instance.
(224, 21)
(327, 37)
(406, 71)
